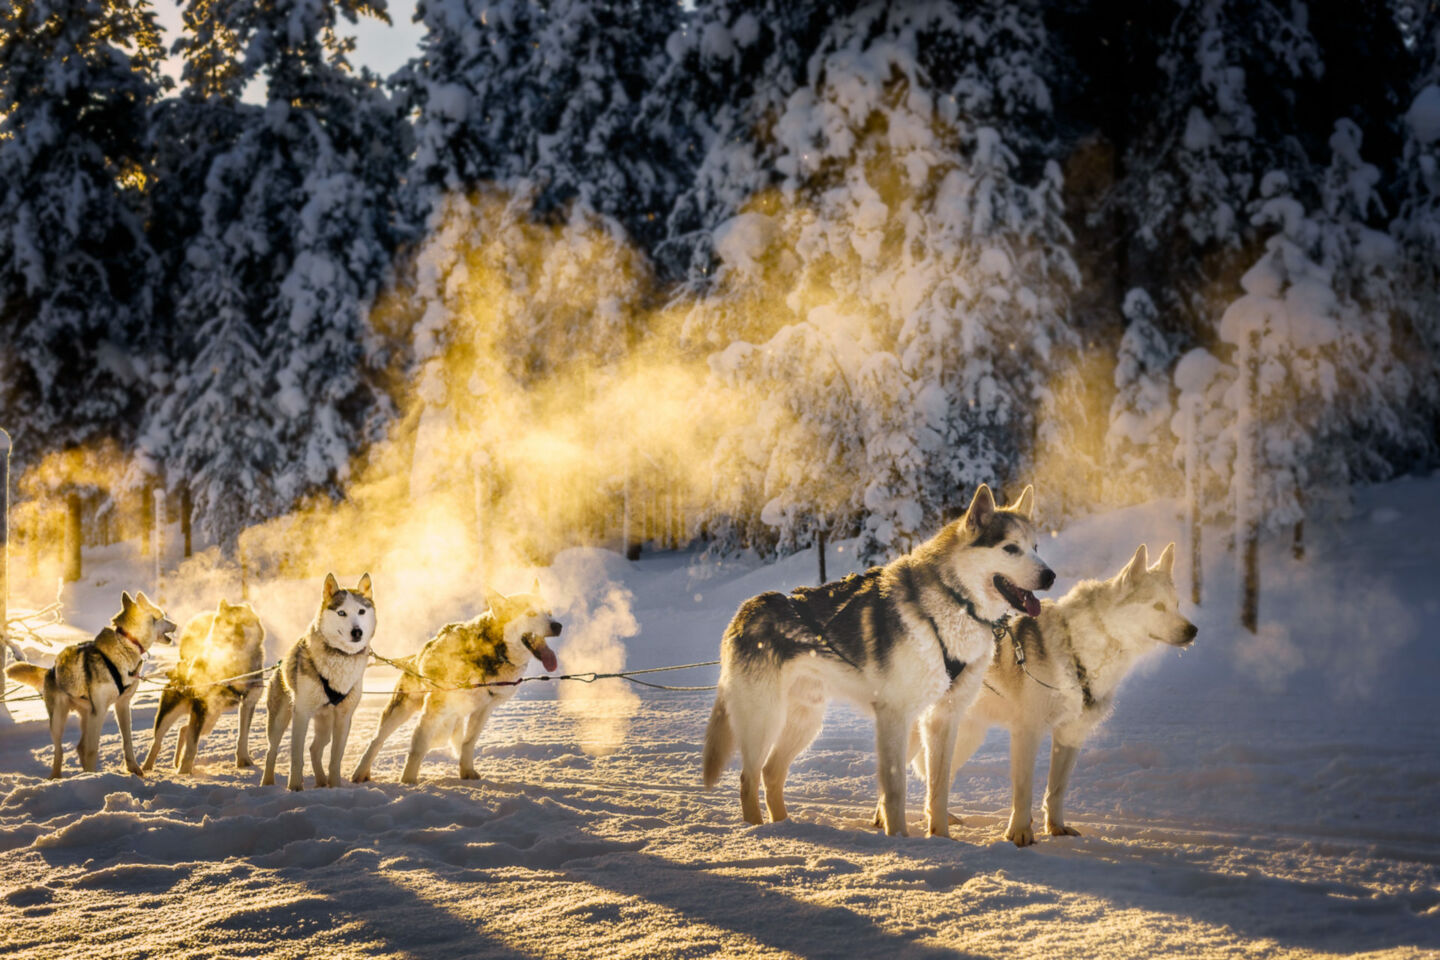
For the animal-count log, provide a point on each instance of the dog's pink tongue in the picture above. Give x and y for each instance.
(1032, 605)
(547, 658)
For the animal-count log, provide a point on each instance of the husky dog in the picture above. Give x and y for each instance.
(491, 648)
(89, 677)
(1074, 656)
(321, 678)
(894, 640)
(226, 643)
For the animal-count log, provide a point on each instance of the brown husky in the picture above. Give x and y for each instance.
(89, 678)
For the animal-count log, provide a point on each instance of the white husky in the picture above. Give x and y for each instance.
(320, 678)
(1060, 671)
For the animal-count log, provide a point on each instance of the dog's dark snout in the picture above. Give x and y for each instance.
(1190, 632)
(554, 628)
(356, 633)
(1047, 578)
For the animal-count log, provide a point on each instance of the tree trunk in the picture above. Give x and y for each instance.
(631, 546)
(820, 553)
(1193, 513)
(157, 543)
(73, 568)
(1247, 525)
(4, 562)
(186, 509)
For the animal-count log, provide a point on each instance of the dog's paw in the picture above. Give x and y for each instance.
(360, 776)
(1021, 836)
(469, 775)
(135, 769)
(267, 781)
(295, 787)
(54, 775)
(321, 782)
(243, 763)
(1060, 830)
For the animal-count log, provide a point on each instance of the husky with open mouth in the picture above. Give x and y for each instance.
(896, 640)
(444, 679)
(89, 678)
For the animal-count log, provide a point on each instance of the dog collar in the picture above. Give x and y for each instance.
(126, 634)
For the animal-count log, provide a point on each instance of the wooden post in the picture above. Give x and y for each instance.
(4, 561)
(186, 509)
(147, 517)
(244, 571)
(630, 545)
(73, 568)
(1247, 474)
(157, 542)
(1193, 517)
(820, 552)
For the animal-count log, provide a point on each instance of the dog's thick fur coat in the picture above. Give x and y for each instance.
(216, 647)
(321, 679)
(491, 648)
(89, 678)
(895, 640)
(1076, 652)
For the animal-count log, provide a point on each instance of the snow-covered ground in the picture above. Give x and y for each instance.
(1258, 796)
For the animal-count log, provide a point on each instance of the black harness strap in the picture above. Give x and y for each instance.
(953, 666)
(115, 673)
(331, 694)
(807, 617)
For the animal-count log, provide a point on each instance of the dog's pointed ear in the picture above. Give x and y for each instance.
(363, 587)
(1166, 563)
(142, 600)
(982, 507)
(1135, 567)
(224, 606)
(332, 586)
(1026, 504)
(126, 601)
(535, 587)
(493, 599)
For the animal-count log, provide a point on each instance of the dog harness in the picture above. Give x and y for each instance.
(953, 666)
(331, 694)
(115, 673)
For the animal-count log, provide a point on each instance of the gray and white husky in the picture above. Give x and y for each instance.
(491, 648)
(1073, 658)
(321, 679)
(222, 652)
(89, 678)
(895, 640)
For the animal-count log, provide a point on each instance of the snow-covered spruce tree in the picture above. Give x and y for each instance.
(1417, 226)
(732, 64)
(307, 192)
(77, 277)
(1243, 88)
(543, 99)
(213, 429)
(1332, 392)
(912, 270)
(1137, 439)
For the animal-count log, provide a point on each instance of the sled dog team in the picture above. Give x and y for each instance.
(939, 645)
(221, 667)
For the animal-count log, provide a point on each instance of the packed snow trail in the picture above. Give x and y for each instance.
(1258, 796)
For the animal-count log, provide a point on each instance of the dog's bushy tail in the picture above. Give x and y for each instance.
(28, 674)
(719, 742)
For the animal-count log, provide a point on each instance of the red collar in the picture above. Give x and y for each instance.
(123, 633)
